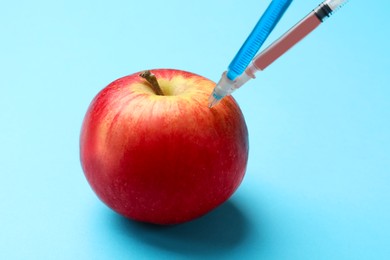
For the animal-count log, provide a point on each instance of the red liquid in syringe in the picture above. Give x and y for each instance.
(284, 43)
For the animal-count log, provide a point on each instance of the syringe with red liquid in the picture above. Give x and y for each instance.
(285, 42)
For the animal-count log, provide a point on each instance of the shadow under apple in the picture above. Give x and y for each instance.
(217, 232)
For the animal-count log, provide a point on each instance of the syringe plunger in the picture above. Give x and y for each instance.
(335, 4)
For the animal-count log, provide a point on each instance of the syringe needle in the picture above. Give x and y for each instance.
(213, 101)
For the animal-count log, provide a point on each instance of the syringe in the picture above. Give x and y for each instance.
(286, 41)
(248, 50)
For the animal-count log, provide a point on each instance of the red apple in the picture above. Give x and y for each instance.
(163, 159)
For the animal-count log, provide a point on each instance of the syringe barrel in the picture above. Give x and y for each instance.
(286, 41)
(257, 37)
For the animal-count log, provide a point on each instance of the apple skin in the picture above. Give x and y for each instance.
(163, 159)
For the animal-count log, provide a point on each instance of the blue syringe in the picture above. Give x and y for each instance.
(249, 49)
(277, 48)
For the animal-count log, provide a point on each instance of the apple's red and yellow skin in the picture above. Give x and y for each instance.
(163, 159)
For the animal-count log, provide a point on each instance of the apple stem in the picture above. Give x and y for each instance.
(152, 80)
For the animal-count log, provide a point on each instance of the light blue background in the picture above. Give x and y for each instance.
(318, 178)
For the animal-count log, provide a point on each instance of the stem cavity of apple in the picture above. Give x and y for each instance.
(152, 80)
